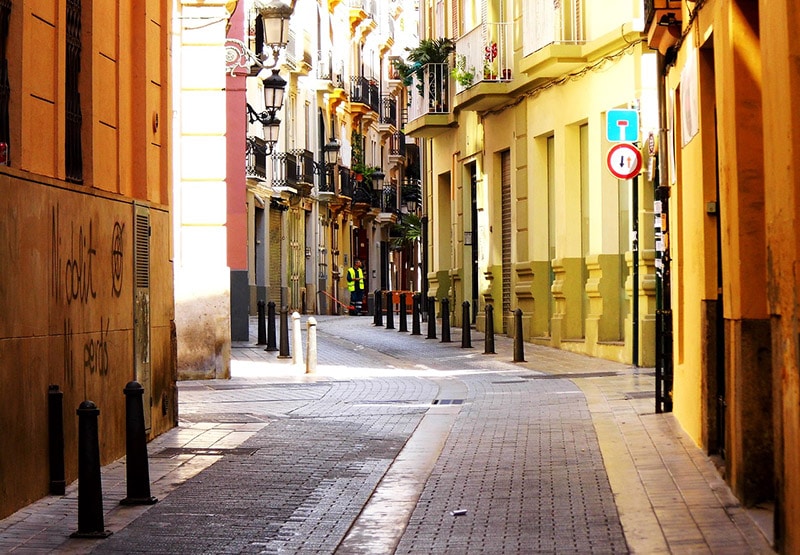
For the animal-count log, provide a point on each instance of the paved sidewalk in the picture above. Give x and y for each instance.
(404, 444)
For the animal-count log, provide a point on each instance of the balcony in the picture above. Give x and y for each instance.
(484, 67)
(553, 38)
(663, 23)
(365, 98)
(430, 111)
(256, 158)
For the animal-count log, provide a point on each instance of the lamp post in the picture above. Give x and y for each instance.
(377, 185)
(273, 86)
(329, 156)
(275, 16)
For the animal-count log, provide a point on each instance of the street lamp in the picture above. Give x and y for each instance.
(275, 16)
(274, 86)
(330, 155)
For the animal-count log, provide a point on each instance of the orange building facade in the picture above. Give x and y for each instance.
(729, 177)
(86, 289)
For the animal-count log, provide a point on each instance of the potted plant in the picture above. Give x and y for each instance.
(460, 73)
(429, 51)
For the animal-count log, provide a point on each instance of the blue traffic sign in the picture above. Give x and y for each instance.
(622, 126)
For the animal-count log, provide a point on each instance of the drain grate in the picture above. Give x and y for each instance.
(170, 452)
(572, 376)
(640, 394)
(448, 402)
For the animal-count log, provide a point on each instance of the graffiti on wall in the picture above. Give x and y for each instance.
(75, 257)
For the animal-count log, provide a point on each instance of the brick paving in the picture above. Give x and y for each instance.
(409, 445)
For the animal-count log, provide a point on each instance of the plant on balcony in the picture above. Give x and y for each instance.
(460, 73)
(406, 232)
(363, 172)
(429, 51)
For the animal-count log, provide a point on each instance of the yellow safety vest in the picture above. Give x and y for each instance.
(354, 277)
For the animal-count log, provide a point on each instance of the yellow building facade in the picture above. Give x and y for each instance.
(523, 211)
(729, 109)
(86, 287)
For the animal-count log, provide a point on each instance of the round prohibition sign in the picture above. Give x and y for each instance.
(624, 161)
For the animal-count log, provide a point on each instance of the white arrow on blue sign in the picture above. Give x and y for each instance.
(622, 126)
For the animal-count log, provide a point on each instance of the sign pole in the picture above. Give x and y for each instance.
(635, 249)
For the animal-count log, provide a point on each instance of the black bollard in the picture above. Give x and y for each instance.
(415, 301)
(90, 491)
(378, 307)
(55, 420)
(262, 324)
(431, 318)
(389, 311)
(284, 350)
(445, 320)
(271, 341)
(137, 472)
(403, 318)
(466, 333)
(519, 355)
(489, 339)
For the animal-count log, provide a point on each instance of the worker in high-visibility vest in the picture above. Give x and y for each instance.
(355, 284)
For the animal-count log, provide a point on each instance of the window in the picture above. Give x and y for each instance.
(5, 87)
(73, 151)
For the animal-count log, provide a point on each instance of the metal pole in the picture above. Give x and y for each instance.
(403, 318)
(415, 304)
(90, 489)
(377, 317)
(488, 348)
(262, 325)
(389, 310)
(431, 318)
(635, 235)
(466, 333)
(55, 415)
(137, 472)
(284, 349)
(271, 343)
(519, 348)
(445, 320)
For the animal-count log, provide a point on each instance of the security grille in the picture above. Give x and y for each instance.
(505, 191)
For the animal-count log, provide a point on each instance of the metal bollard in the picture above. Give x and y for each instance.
(389, 311)
(488, 348)
(137, 473)
(519, 355)
(284, 350)
(378, 307)
(297, 340)
(311, 346)
(431, 318)
(271, 344)
(55, 421)
(90, 490)
(403, 318)
(415, 325)
(466, 332)
(262, 324)
(445, 320)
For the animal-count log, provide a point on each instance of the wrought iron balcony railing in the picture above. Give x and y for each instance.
(432, 96)
(345, 182)
(256, 158)
(389, 111)
(397, 144)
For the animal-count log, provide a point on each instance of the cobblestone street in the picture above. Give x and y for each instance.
(401, 444)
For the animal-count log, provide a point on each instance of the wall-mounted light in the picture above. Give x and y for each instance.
(275, 16)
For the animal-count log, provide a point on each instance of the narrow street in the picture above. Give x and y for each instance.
(402, 444)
